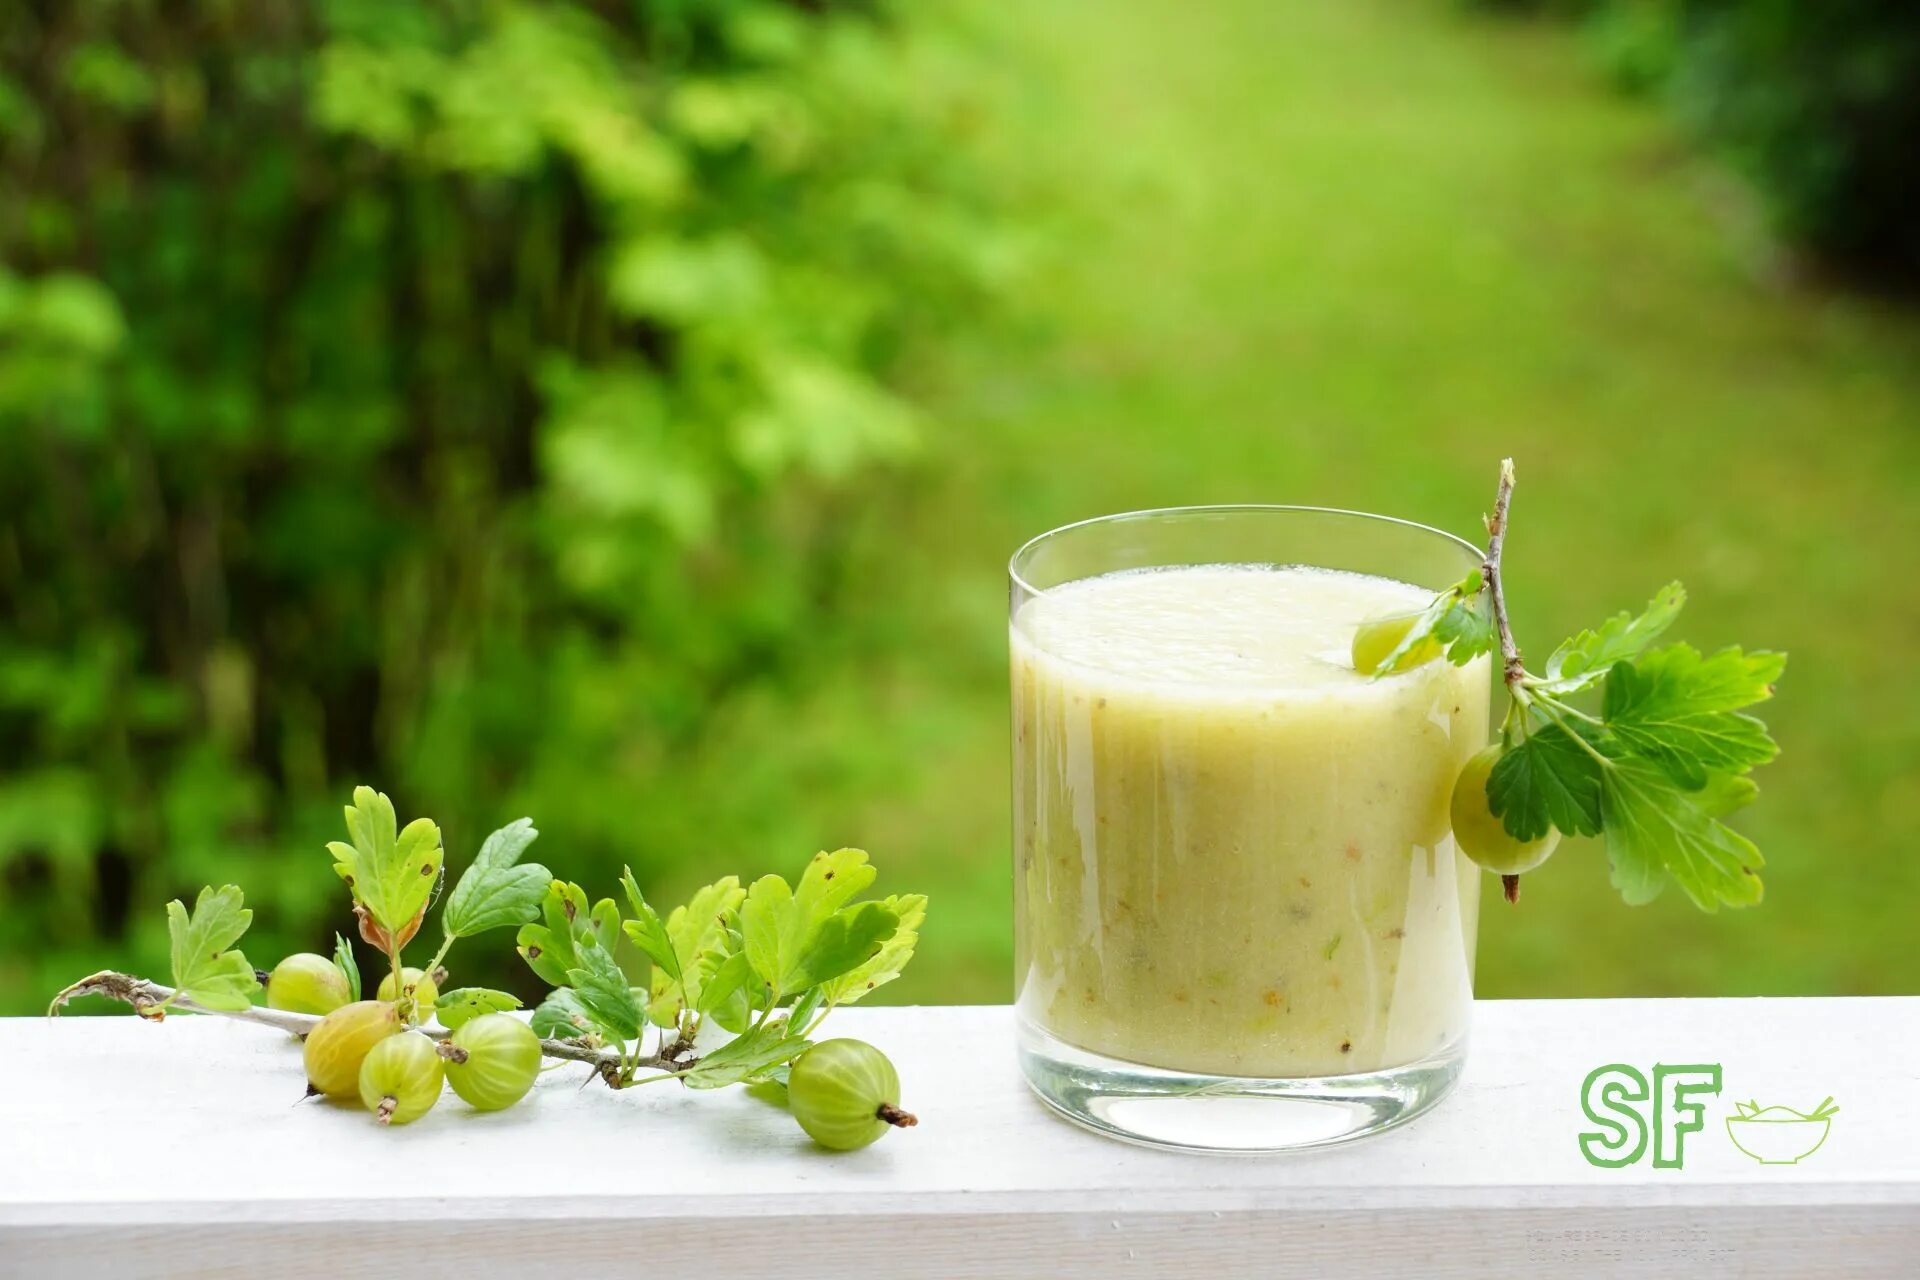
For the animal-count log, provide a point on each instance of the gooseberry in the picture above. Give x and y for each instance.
(845, 1094)
(307, 983)
(1480, 834)
(400, 1078)
(336, 1048)
(492, 1061)
(1375, 638)
(418, 985)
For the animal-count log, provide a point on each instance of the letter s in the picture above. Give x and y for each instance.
(1605, 1097)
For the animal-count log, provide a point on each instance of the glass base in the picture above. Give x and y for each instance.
(1180, 1111)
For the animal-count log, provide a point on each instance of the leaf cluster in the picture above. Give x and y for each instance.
(393, 873)
(1655, 771)
(765, 962)
(737, 979)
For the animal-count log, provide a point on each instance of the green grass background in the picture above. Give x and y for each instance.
(1351, 255)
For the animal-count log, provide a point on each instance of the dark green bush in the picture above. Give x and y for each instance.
(462, 397)
(1820, 103)
(1817, 102)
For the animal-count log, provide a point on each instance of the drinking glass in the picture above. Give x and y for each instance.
(1241, 920)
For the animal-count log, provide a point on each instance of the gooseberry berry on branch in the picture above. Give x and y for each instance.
(336, 1048)
(401, 1077)
(492, 1061)
(417, 984)
(307, 983)
(1480, 834)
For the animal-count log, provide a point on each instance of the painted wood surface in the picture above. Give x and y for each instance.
(184, 1150)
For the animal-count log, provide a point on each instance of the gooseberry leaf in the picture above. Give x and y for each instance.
(648, 931)
(744, 1057)
(561, 1016)
(456, 1008)
(1583, 660)
(1723, 793)
(391, 875)
(1655, 827)
(778, 924)
(553, 947)
(886, 964)
(801, 1011)
(349, 967)
(844, 941)
(1681, 709)
(764, 913)
(694, 929)
(205, 968)
(602, 989)
(1465, 626)
(498, 889)
(728, 987)
(1459, 618)
(1550, 780)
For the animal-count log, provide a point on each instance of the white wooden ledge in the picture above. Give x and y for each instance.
(130, 1150)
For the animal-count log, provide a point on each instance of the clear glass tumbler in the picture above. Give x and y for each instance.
(1241, 920)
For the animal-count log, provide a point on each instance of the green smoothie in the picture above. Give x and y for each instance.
(1233, 850)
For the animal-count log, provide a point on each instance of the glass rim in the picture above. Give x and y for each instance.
(1221, 508)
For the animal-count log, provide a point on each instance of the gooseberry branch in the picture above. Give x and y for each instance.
(1512, 671)
(152, 1001)
(759, 964)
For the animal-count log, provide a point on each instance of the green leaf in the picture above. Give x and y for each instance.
(770, 1086)
(844, 941)
(755, 1053)
(647, 930)
(764, 913)
(562, 1016)
(802, 1010)
(1581, 662)
(830, 881)
(725, 980)
(456, 1008)
(349, 967)
(205, 969)
(392, 875)
(1676, 707)
(1723, 681)
(1459, 617)
(1548, 780)
(1654, 827)
(778, 924)
(1723, 793)
(603, 991)
(552, 948)
(1466, 625)
(886, 965)
(694, 929)
(498, 889)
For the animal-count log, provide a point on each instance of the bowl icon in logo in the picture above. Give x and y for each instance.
(1780, 1135)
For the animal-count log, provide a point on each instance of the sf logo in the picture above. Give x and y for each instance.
(1631, 1113)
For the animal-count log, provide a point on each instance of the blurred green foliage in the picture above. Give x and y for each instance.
(456, 395)
(1818, 103)
(417, 520)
